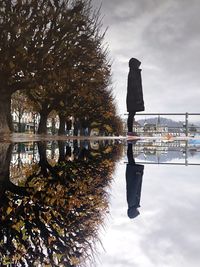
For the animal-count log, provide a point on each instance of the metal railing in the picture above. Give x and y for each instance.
(186, 116)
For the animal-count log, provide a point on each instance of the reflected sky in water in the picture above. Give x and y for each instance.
(166, 233)
(78, 192)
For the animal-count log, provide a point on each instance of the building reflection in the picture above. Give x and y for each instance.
(51, 214)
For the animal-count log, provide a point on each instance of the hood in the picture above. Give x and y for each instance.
(133, 212)
(134, 63)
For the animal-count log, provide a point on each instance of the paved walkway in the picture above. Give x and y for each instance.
(24, 137)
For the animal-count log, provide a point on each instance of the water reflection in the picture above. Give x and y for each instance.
(52, 211)
(55, 197)
(134, 174)
(160, 152)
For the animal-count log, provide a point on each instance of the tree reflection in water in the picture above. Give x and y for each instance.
(53, 220)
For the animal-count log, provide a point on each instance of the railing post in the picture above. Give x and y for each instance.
(186, 123)
(186, 153)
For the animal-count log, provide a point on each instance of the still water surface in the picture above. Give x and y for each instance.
(65, 204)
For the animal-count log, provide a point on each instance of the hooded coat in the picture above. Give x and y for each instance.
(134, 99)
(134, 174)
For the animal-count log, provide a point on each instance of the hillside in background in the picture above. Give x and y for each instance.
(163, 121)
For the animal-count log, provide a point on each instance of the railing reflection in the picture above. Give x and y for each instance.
(169, 153)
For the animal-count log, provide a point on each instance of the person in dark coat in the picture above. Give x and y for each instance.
(134, 99)
(134, 174)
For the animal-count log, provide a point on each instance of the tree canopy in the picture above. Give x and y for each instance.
(54, 52)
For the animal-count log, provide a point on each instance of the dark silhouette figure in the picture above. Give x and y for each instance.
(134, 174)
(134, 99)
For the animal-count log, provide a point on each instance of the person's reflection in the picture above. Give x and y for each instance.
(134, 173)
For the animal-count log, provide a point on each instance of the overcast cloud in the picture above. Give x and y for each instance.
(165, 36)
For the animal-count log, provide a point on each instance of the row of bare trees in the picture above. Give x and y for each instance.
(52, 53)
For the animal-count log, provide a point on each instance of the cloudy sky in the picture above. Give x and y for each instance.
(165, 36)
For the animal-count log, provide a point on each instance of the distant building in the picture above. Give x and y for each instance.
(149, 127)
(137, 127)
(28, 122)
(176, 131)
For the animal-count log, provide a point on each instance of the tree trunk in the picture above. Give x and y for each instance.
(5, 158)
(53, 149)
(62, 119)
(34, 124)
(61, 146)
(42, 128)
(89, 131)
(53, 128)
(46, 168)
(19, 124)
(82, 131)
(5, 114)
(42, 146)
(34, 154)
(9, 116)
